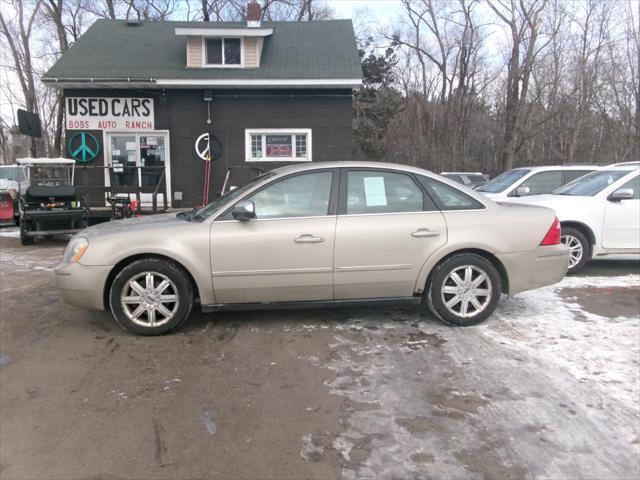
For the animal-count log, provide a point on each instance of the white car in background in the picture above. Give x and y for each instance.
(599, 213)
(524, 181)
(472, 180)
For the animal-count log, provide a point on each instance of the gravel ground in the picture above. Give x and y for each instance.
(547, 388)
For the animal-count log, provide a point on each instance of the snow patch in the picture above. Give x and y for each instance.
(540, 368)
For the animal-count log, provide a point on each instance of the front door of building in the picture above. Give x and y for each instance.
(139, 160)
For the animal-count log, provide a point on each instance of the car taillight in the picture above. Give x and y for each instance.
(553, 235)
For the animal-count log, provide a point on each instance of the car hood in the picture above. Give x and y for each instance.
(131, 225)
(547, 200)
(489, 194)
(565, 206)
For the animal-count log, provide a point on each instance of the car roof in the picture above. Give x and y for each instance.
(301, 167)
(461, 173)
(627, 167)
(541, 168)
(626, 164)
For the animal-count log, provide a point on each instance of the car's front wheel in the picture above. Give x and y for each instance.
(151, 296)
(464, 290)
(579, 248)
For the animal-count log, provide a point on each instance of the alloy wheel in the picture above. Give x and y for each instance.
(149, 299)
(575, 249)
(466, 291)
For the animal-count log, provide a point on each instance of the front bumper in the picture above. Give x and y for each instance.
(82, 285)
(543, 266)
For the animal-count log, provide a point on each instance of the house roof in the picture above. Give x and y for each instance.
(112, 51)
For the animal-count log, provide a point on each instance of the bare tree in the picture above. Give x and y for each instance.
(17, 31)
(523, 21)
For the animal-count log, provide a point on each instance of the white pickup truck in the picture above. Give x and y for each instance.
(599, 213)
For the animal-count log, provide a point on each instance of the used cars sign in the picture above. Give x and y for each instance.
(114, 113)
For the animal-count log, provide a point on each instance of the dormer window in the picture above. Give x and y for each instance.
(221, 52)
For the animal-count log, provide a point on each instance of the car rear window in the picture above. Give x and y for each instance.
(455, 178)
(449, 198)
(476, 178)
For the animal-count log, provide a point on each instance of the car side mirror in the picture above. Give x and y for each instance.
(244, 211)
(621, 194)
(522, 191)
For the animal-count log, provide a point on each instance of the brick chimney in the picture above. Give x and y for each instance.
(254, 12)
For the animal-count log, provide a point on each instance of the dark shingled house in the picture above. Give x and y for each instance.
(138, 95)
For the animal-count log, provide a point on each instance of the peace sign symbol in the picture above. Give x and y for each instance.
(83, 147)
(208, 147)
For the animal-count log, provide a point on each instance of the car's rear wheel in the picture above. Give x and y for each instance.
(151, 296)
(464, 290)
(579, 248)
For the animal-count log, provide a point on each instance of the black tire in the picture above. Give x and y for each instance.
(573, 234)
(159, 268)
(440, 278)
(24, 238)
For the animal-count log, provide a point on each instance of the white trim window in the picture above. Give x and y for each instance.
(278, 145)
(223, 52)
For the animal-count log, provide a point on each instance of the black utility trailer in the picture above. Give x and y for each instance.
(50, 205)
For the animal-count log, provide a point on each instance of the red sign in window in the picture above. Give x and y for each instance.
(279, 146)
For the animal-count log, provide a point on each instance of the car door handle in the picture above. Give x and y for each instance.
(308, 238)
(424, 232)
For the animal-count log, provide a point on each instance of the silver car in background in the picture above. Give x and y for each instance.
(324, 234)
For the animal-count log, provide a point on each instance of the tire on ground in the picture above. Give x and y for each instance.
(154, 265)
(434, 296)
(584, 242)
(24, 238)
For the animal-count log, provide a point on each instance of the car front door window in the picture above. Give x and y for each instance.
(543, 182)
(304, 195)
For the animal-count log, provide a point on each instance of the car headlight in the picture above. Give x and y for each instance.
(75, 250)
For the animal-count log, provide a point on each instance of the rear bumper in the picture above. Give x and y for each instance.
(54, 215)
(541, 267)
(54, 222)
(82, 285)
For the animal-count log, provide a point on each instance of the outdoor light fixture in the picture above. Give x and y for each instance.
(208, 97)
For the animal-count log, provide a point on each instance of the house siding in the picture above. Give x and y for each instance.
(194, 52)
(184, 113)
(251, 59)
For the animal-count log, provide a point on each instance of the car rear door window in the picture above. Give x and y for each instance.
(448, 197)
(543, 182)
(376, 191)
(305, 195)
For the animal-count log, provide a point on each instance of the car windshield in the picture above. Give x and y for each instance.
(212, 207)
(591, 184)
(15, 174)
(503, 181)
